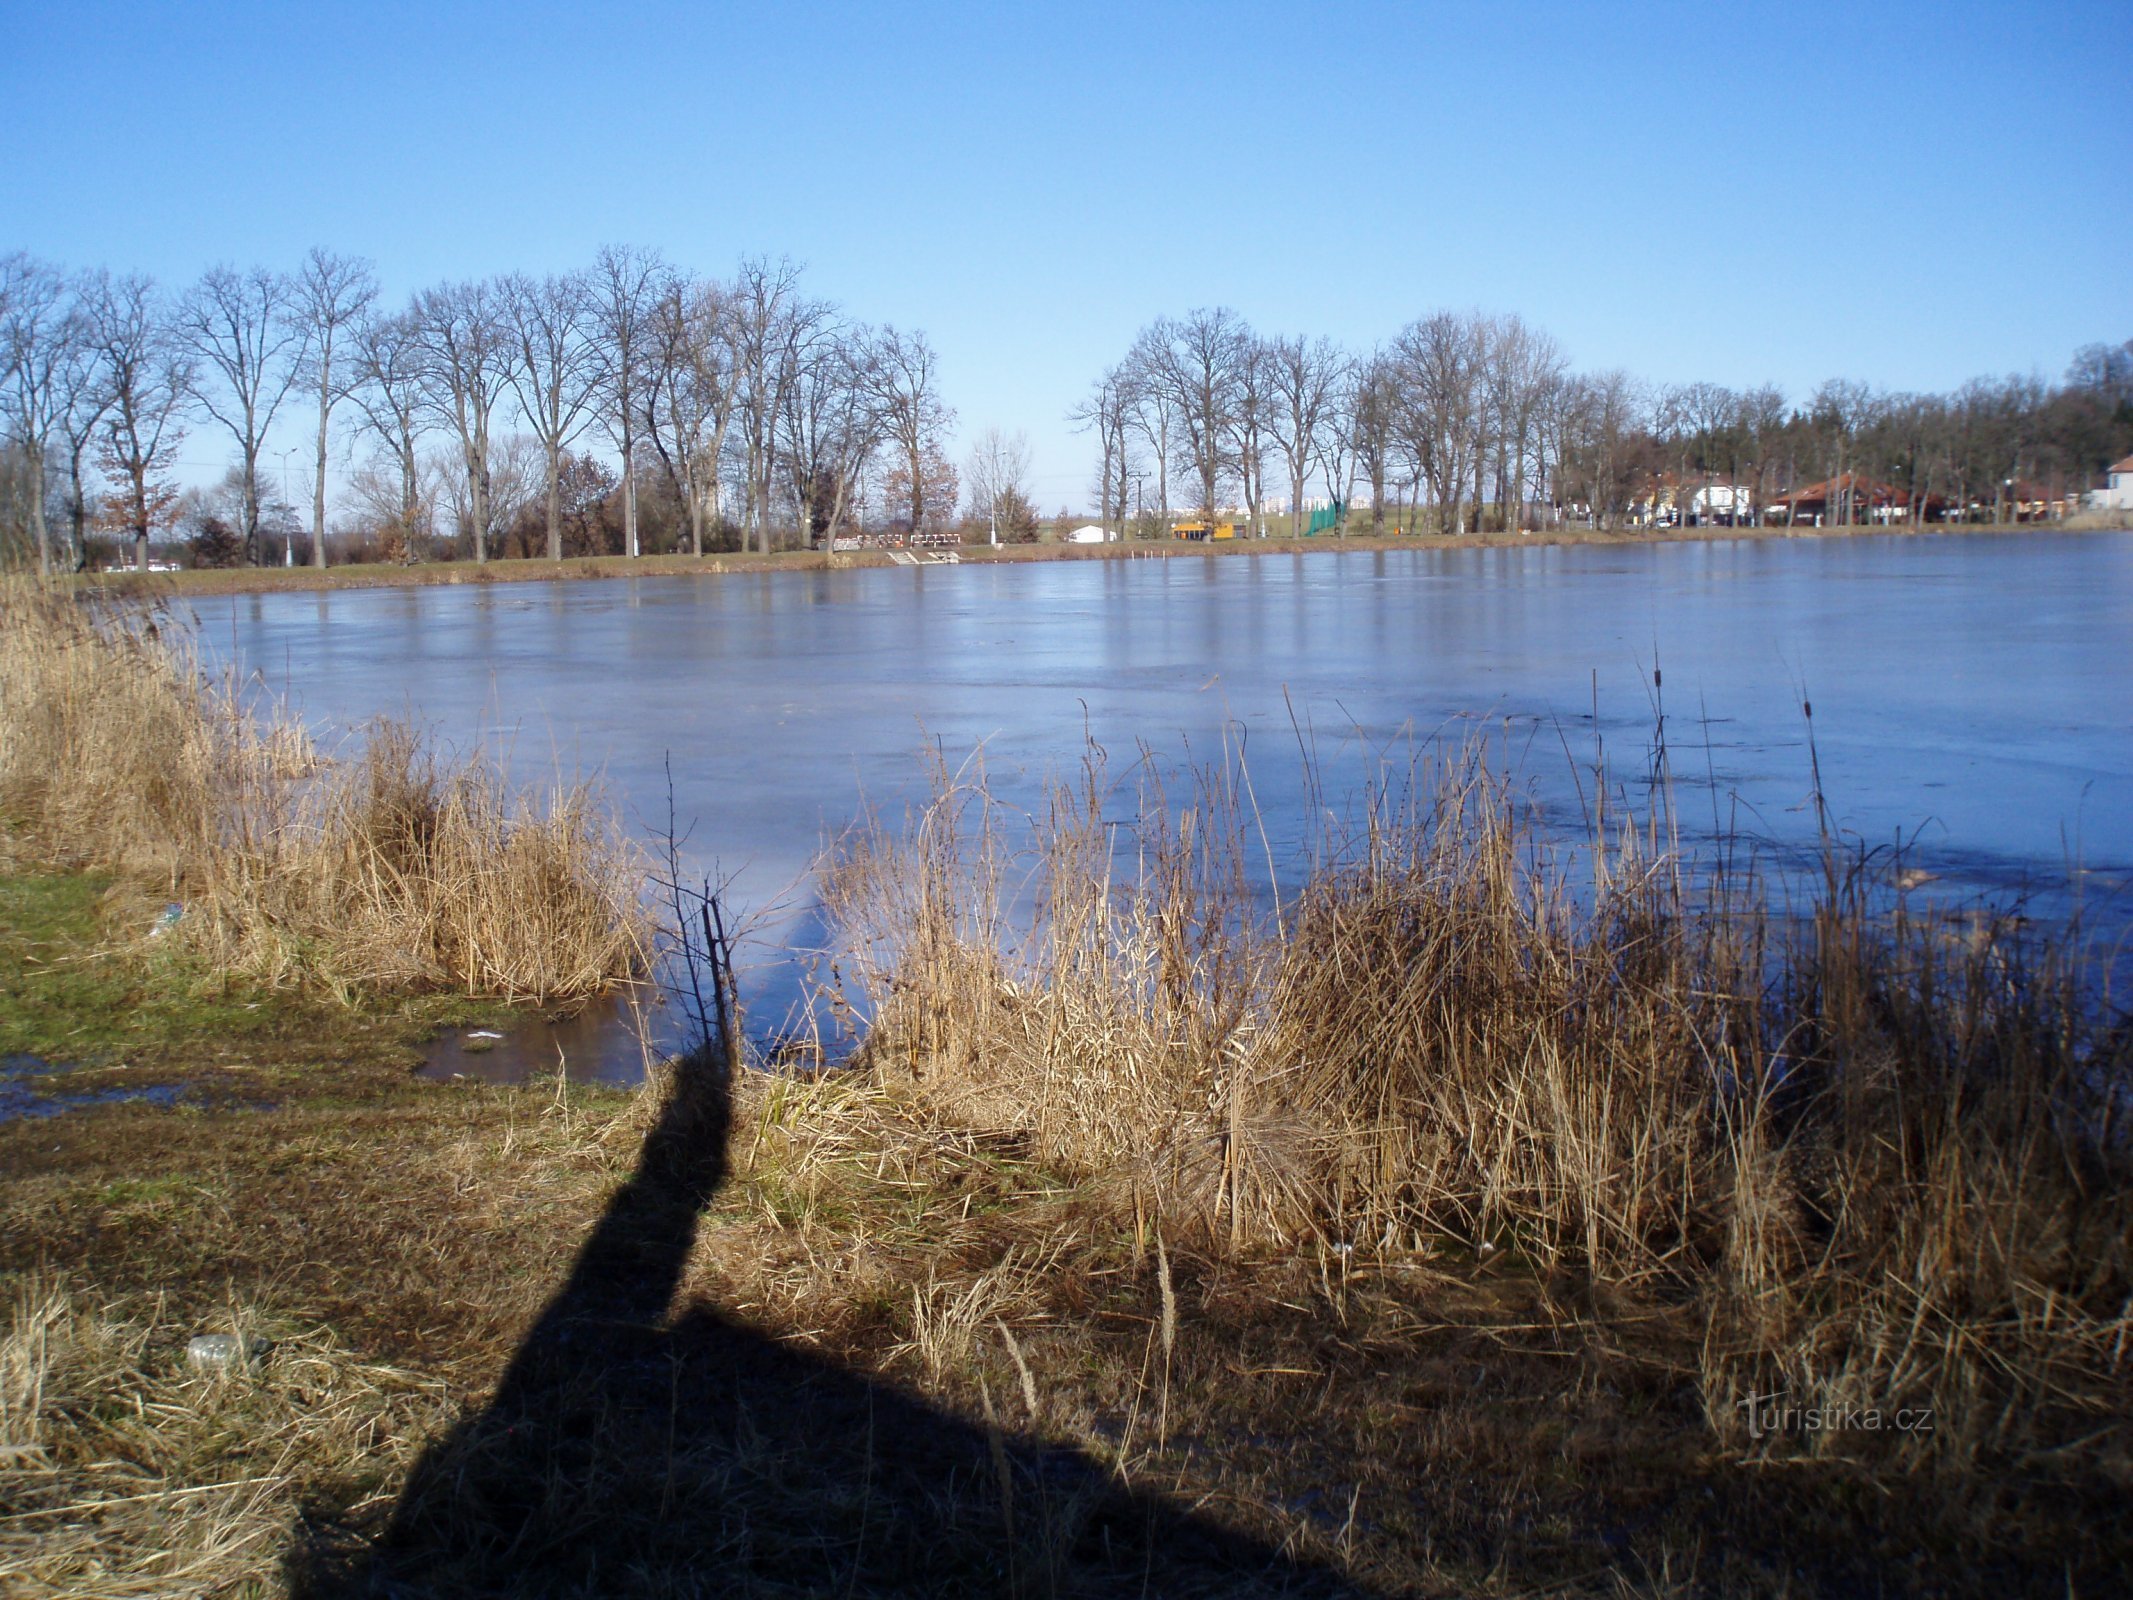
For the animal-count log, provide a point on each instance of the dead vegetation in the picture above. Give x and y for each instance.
(384, 868)
(125, 1471)
(1433, 1225)
(1884, 1166)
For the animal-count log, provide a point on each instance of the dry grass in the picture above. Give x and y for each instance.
(386, 870)
(1432, 1224)
(1885, 1165)
(124, 1472)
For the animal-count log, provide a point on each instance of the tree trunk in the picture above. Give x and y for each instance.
(1125, 488)
(629, 489)
(252, 551)
(318, 487)
(408, 501)
(77, 514)
(555, 505)
(478, 503)
(33, 456)
(916, 458)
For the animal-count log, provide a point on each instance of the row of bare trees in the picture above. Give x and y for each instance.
(1470, 420)
(1467, 410)
(756, 412)
(760, 406)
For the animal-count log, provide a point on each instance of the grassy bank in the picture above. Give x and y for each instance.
(270, 580)
(884, 1281)
(1422, 1232)
(385, 867)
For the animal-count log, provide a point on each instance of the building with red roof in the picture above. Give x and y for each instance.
(1851, 497)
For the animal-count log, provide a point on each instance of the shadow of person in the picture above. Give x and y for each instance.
(624, 1453)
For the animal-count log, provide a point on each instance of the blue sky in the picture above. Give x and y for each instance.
(1907, 193)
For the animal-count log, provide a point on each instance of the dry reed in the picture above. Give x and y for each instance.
(389, 869)
(1886, 1163)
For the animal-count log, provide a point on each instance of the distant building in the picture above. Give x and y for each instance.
(1851, 498)
(1671, 503)
(2117, 492)
(2020, 500)
(1722, 503)
(2035, 502)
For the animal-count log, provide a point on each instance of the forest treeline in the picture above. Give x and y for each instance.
(483, 414)
(636, 406)
(1467, 422)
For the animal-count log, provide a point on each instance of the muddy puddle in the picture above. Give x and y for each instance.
(611, 1041)
(23, 1093)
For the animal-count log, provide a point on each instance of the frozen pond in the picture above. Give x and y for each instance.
(1972, 694)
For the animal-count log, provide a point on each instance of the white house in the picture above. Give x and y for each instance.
(2118, 496)
(1721, 502)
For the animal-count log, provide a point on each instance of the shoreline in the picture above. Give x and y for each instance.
(1473, 1211)
(273, 580)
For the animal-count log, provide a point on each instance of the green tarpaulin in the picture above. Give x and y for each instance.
(1324, 519)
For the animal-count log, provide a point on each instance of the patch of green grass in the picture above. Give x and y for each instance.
(70, 994)
(82, 991)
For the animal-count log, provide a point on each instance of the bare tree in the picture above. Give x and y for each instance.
(771, 323)
(998, 477)
(832, 423)
(394, 510)
(1526, 371)
(1306, 377)
(467, 362)
(1759, 421)
(555, 370)
(1600, 418)
(689, 398)
(85, 397)
(626, 287)
(1251, 428)
(246, 351)
(391, 364)
(1371, 404)
(42, 338)
(1437, 365)
(1151, 414)
(907, 381)
(333, 295)
(148, 374)
(1839, 410)
(1194, 363)
(516, 473)
(1108, 413)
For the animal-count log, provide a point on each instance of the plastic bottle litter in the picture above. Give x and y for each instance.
(224, 1352)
